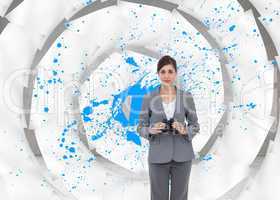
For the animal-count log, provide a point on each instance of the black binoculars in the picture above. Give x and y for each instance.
(168, 129)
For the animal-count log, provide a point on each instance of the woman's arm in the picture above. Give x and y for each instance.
(144, 119)
(191, 116)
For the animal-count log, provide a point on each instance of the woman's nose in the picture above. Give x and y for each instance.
(166, 75)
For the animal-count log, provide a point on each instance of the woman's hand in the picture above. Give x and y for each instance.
(180, 127)
(156, 128)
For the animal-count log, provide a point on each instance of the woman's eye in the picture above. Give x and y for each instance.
(163, 72)
(170, 72)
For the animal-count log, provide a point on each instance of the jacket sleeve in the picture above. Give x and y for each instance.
(191, 116)
(144, 119)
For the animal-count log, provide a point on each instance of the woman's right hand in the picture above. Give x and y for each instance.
(156, 128)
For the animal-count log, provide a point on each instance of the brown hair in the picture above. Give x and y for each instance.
(166, 60)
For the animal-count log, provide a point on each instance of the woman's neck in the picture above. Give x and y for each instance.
(167, 89)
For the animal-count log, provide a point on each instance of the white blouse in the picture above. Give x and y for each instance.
(169, 108)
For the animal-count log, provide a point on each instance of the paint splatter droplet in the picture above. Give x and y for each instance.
(46, 109)
(232, 28)
(72, 149)
(58, 45)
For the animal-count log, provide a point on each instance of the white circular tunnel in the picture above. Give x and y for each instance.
(73, 74)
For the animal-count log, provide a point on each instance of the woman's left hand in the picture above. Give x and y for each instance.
(180, 127)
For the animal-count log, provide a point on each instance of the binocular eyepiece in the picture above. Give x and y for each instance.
(168, 127)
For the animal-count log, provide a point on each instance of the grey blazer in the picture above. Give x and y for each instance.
(163, 147)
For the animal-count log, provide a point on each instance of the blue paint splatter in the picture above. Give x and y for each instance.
(86, 119)
(132, 136)
(251, 105)
(131, 61)
(136, 92)
(54, 72)
(91, 159)
(72, 149)
(96, 136)
(232, 28)
(95, 104)
(87, 110)
(88, 2)
(207, 157)
(65, 130)
(226, 49)
(217, 82)
(46, 109)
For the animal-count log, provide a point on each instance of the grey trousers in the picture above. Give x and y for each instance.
(177, 172)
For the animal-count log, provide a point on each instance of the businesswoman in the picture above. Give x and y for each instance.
(162, 121)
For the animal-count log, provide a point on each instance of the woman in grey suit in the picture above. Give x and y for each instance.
(162, 121)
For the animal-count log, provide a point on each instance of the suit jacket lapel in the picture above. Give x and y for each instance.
(158, 102)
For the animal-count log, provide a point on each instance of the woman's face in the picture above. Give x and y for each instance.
(167, 74)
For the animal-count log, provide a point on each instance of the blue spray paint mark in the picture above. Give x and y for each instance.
(58, 45)
(46, 109)
(274, 62)
(69, 149)
(131, 61)
(91, 159)
(88, 2)
(232, 28)
(65, 130)
(207, 157)
(54, 72)
(251, 105)
(226, 49)
(72, 149)
(87, 110)
(136, 93)
(86, 119)
(217, 82)
(95, 104)
(131, 136)
(96, 136)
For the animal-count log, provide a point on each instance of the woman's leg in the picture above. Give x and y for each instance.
(180, 173)
(159, 181)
